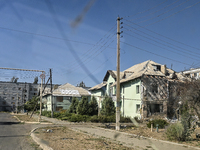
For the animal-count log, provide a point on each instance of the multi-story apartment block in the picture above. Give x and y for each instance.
(16, 94)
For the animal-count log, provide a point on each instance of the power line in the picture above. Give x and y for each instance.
(97, 68)
(147, 9)
(88, 59)
(162, 47)
(155, 54)
(172, 14)
(92, 50)
(165, 45)
(155, 11)
(163, 12)
(162, 35)
(48, 36)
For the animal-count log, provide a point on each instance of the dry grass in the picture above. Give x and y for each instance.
(26, 118)
(65, 138)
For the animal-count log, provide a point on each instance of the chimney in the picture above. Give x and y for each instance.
(163, 69)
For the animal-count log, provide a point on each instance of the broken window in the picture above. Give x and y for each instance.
(157, 67)
(154, 88)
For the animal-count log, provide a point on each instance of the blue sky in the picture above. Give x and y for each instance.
(39, 35)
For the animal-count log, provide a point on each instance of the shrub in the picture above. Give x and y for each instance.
(175, 132)
(94, 118)
(78, 118)
(56, 114)
(93, 107)
(46, 113)
(108, 107)
(161, 123)
(83, 107)
(107, 119)
(125, 119)
(74, 105)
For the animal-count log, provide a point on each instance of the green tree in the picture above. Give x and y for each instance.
(108, 107)
(93, 106)
(30, 105)
(74, 105)
(83, 107)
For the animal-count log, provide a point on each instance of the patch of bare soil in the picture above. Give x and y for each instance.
(64, 138)
(26, 118)
(143, 130)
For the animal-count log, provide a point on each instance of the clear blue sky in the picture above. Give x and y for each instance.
(40, 35)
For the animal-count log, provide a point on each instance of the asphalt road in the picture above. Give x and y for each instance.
(14, 135)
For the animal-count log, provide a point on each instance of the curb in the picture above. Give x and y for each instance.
(39, 141)
(146, 138)
(31, 122)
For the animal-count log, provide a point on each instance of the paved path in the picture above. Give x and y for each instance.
(129, 140)
(13, 135)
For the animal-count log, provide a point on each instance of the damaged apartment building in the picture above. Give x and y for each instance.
(146, 89)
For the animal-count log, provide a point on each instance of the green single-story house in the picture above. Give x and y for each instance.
(62, 96)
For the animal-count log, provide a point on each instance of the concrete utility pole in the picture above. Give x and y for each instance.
(118, 76)
(42, 76)
(17, 103)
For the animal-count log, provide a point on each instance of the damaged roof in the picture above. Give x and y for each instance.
(99, 86)
(149, 68)
(113, 74)
(70, 90)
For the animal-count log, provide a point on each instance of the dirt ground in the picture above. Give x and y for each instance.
(64, 138)
(27, 118)
(57, 139)
(143, 130)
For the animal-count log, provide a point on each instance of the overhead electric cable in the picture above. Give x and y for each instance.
(172, 14)
(163, 12)
(156, 54)
(147, 9)
(161, 47)
(155, 11)
(191, 54)
(162, 35)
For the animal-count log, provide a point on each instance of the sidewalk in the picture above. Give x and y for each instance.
(126, 139)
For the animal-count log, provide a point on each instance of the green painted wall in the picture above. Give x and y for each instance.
(98, 94)
(131, 98)
(110, 81)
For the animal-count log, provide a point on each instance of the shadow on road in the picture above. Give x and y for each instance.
(8, 123)
(13, 136)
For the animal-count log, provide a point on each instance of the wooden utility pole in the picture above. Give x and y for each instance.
(51, 94)
(118, 76)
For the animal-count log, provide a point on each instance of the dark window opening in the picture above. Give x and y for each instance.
(154, 88)
(137, 89)
(59, 99)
